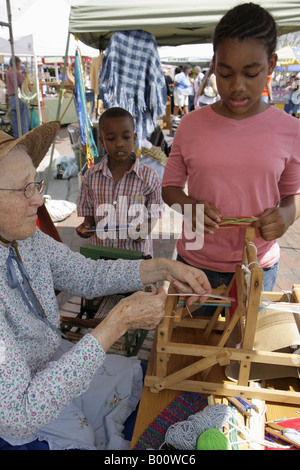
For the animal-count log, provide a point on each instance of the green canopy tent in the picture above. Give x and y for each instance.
(172, 22)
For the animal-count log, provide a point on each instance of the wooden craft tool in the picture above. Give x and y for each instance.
(108, 228)
(211, 347)
(243, 406)
(276, 430)
(192, 294)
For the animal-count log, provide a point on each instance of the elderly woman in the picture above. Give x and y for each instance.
(67, 396)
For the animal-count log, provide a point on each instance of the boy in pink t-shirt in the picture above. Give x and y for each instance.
(240, 157)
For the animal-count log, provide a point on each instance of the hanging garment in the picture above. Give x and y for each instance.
(131, 77)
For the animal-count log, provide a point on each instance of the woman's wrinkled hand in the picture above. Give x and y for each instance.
(184, 278)
(141, 310)
(187, 279)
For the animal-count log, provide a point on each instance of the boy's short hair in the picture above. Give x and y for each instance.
(115, 113)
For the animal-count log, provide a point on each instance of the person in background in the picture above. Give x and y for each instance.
(221, 152)
(293, 89)
(57, 395)
(182, 90)
(195, 77)
(198, 79)
(12, 99)
(170, 87)
(267, 93)
(60, 75)
(207, 92)
(123, 183)
(169, 82)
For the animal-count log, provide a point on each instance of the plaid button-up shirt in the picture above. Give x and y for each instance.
(137, 194)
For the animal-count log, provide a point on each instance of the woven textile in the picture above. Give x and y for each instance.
(179, 409)
(131, 77)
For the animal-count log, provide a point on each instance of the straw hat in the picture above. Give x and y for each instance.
(37, 141)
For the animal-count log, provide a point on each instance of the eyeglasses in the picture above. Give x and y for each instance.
(29, 190)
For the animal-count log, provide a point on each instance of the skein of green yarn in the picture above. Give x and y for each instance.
(212, 439)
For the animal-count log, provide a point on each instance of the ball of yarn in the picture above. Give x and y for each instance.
(212, 417)
(183, 435)
(213, 439)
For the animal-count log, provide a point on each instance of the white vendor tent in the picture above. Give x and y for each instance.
(194, 54)
(47, 23)
(38, 28)
(23, 47)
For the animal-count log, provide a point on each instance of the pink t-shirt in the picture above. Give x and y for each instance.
(243, 167)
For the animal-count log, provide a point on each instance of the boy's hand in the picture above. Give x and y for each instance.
(212, 217)
(271, 224)
(275, 221)
(83, 230)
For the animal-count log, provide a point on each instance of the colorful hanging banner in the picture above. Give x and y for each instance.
(86, 134)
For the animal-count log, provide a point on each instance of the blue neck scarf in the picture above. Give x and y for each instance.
(25, 289)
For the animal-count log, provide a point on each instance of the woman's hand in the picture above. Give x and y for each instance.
(183, 278)
(187, 279)
(140, 310)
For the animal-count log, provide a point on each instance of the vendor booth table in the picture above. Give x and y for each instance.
(50, 105)
(67, 110)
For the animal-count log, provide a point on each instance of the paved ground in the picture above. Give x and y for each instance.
(289, 267)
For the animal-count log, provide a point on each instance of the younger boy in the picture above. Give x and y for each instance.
(119, 196)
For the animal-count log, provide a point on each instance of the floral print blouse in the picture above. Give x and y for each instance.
(33, 391)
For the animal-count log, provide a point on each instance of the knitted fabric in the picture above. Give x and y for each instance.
(178, 410)
(131, 77)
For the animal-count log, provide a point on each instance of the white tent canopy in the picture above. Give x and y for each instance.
(47, 24)
(194, 54)
(23, 47)
(39, 29)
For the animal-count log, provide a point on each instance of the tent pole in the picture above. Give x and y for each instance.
(58, 108)
(14, 65)
(36, 68)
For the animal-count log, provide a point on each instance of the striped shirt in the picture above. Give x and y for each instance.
(135, 198)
